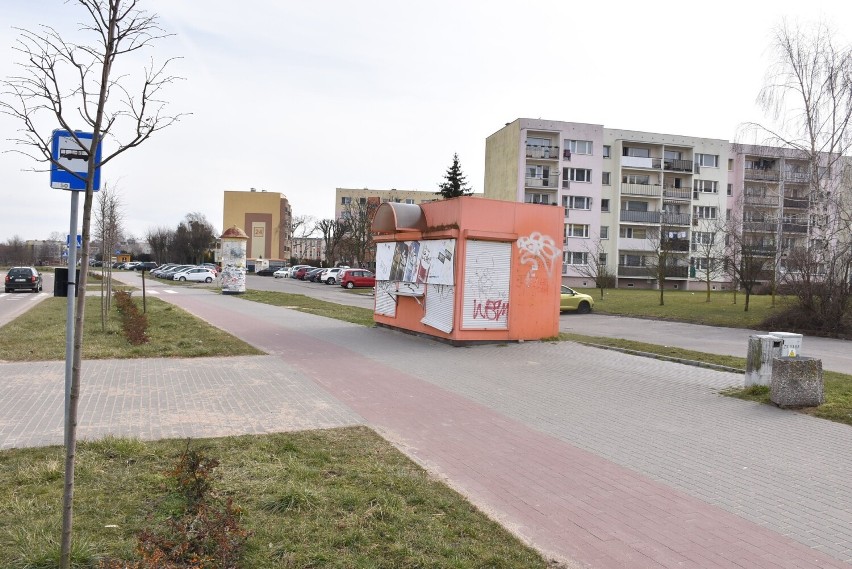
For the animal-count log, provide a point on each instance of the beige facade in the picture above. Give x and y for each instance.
(308, 249)
(265, 217)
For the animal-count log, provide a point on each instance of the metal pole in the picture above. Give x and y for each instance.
(69, 318)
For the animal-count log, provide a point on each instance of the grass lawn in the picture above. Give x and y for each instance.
(688, 306)
(353, 314)
(39, 334)
(335, 498)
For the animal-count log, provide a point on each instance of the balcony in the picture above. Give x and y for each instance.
(631, 271)
(759, 174)
(542, 152)
(677, 272)
(640, 216)
(760, 226)
(675, 245)
(797, 177)
(795, 203)
(672, 165)
(676, 194)
(641, 190)
(767, 201)
(790, 227)
(634, 244)
(761, 250)
(551, 183)
(675, 218)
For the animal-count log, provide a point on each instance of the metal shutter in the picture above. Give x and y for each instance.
(486, 285)
(440, 306)
(386, 298)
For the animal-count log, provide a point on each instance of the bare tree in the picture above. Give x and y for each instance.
(596, 267)
(357, 245)
(808, 100)
(745, 261)
(80, 83)
(333, 233)
(108, 218)
(666, 258)
(160, 241)
(706, 246)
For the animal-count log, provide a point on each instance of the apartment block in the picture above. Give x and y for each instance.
(266, 219)
(634, 201)
(346, 198)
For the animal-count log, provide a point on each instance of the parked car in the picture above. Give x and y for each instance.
(162, 269)
(329, 276)
(351, 278)
(573, 300)
(267, 272)
(301, 271)
(282, 273)
(196, 274)
(168, 274)
(314, 275)
(295, 268)
(145, 266)
(27, 278)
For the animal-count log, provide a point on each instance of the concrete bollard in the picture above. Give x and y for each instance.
(761, 349)
(796, 382)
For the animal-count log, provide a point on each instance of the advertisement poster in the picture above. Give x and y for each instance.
(420, 262)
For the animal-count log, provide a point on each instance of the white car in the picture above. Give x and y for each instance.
(329, 276)
(197, 274)
(282, 273)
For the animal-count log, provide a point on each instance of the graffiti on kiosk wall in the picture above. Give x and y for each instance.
(537, 251)
(486, 286)
(427, 261)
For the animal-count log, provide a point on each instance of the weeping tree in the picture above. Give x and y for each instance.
(89, 80)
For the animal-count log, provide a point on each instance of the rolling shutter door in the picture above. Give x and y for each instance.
(486, 285)
(440, 305)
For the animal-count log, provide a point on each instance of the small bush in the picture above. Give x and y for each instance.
(798, 319)
(134, 324)
(202, 532)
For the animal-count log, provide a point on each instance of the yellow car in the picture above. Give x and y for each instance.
(577, 301)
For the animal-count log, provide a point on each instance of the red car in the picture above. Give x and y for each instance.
(300, 273)
(357, 277)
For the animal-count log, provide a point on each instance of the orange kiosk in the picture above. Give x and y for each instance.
(469, 270)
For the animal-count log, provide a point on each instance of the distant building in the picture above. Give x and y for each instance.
(308, 249)
(266, 219)
(344, 197)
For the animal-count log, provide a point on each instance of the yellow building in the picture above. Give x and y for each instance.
(266, 219)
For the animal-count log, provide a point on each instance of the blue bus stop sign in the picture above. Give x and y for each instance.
(67, 152)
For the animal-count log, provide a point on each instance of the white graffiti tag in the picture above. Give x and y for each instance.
(538, 249)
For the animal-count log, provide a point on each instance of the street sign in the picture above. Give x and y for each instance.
(79, 241)
(71, 161)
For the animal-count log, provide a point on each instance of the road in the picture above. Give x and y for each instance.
(13, 304)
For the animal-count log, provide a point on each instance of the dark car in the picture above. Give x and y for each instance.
(145, 266)
(300, 273)
(314, 275)
(268, 272)
(26, 278)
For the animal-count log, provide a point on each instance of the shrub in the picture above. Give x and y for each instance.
(202, 532)
(134, 324)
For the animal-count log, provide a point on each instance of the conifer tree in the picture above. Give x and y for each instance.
(455, 184)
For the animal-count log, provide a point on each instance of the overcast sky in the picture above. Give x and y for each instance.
(304, 97)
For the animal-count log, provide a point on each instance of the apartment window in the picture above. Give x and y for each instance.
(706, 186)
(607, 151)
(577, 174)
(345, 200)
(537, 198)
(577, 202)
(604, 231)
(577, 230)
(631, 260)
(704, 264)
(707, 160)
(602, 258)
(605, 177)
(362, 201)
(704, 212)
(730, 164)
(579, 146)
(636, 179)
(727, 215)
(409, 201)
(703, 237)
(576, 258)
(673, 155)
(636, 152)
(632, 233)
(534, 141)
(633, 205)
(538, 171)
(730, 189)
(605, 205)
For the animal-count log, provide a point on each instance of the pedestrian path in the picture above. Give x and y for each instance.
(597, 458)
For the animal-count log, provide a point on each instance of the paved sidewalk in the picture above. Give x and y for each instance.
(597, 458)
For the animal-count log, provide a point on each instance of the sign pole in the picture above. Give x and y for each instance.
(69, 318)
